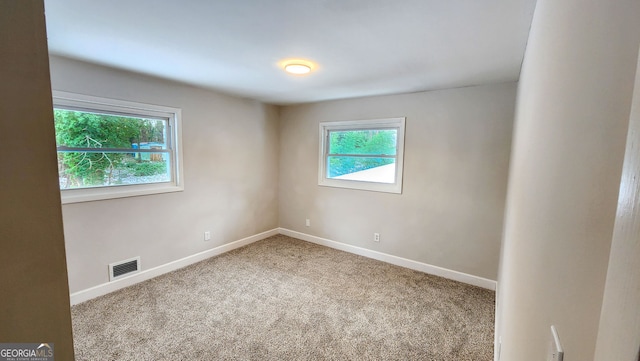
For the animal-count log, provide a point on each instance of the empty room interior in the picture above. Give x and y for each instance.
(435, 180)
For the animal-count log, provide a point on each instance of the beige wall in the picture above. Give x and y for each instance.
(450, 214)
(455, 172)
(619, 331)
(573, 108)
(34, 306)
(230, 170)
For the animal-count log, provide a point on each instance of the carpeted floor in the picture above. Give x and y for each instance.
(286, 299)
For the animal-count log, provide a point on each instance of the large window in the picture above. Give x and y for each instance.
(362, 154)
(111, 148)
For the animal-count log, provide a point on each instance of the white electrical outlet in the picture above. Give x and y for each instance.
(308, 222)
(207, 236)
(376, 237)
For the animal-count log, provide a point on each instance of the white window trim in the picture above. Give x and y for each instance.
(325, 127)
(61, 99)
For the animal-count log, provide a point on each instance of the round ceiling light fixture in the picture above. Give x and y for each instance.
(297, 69)
(297, 66)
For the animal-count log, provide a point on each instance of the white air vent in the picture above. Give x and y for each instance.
(124, 268)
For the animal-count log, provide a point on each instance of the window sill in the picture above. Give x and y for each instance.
(361, 185)
(69, 196)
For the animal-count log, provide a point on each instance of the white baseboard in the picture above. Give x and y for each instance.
(103, 289)
(398, 261)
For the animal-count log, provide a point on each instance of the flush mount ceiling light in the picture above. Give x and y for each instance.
(297, 66)
(298, 69)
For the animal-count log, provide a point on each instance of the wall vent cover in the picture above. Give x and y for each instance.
(124, 268)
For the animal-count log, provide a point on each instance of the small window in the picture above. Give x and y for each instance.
(362, 154)
(111, 148)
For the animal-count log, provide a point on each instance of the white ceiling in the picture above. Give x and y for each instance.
(362, 47)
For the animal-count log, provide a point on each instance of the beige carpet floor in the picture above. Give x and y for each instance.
(286, 299)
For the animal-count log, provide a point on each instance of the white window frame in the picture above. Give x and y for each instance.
(387, 123)
(91, 103)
